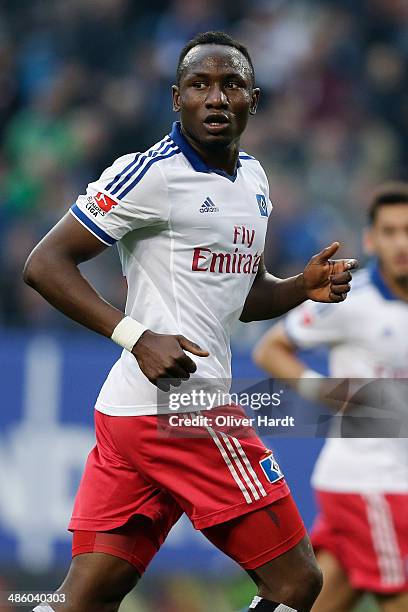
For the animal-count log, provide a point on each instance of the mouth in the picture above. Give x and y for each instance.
(216, 122)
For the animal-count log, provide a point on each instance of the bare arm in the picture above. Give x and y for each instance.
(323, 280)
(271, 296)
(52, 270)
(276, 354)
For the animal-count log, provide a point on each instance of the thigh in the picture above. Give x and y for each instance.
(136, 542)
(393, 603)
(337, 595)
(258, 537)
(96, 582)
(271, 544)
(106, 565)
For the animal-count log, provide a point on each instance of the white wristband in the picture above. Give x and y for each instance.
(309, 385)
(127, 333)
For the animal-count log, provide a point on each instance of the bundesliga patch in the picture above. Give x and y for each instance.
(104, 202)
(263, 207)
(270, 468)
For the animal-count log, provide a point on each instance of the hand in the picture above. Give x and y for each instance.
(327, 280)
(160, 356)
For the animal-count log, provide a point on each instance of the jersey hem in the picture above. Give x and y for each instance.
(135, 410)
(147, 410)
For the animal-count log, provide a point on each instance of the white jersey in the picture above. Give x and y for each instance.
(368, 338)
(190, 240)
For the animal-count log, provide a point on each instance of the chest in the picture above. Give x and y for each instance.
(382, 329)
(218, 213)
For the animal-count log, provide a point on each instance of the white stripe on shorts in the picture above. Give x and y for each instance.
(249, 466)
(384, 540)
(230, 465)
(239, 465)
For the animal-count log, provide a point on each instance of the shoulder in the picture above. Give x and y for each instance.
(361, 280)
(248, 162)
(129, 171)
(362, 291)
(356, 300)
(253, 166)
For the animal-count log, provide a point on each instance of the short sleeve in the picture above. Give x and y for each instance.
(313, 324)
(265, 190)
(130, 194)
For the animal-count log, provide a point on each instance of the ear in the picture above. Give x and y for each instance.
(175, 92)
(368, 241)
(256, 92)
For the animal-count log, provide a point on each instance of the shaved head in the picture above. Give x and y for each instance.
(189, 52)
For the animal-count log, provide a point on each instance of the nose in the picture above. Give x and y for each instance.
(216, 98)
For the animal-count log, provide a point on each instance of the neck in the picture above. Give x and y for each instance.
(223, 157)
(399, 286)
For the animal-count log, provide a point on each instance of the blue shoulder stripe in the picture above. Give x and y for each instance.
(93, 228)
(134, 161)
(117, 177)
(245, 156)
(134, 165)
(145, 169)
(141, 164)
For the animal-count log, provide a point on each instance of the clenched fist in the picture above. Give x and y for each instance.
(326, 279)
(161, 356)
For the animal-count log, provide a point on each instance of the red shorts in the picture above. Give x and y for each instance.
(368, 535)
(141, 466)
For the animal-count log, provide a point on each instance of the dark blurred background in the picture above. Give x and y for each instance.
(85, 81)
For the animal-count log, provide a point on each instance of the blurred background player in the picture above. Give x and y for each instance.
(361, 533)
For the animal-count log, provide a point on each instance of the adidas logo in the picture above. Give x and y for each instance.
(208, 206)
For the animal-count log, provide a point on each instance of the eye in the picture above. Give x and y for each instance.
(388, 231)
(198, 85)
(232, 85)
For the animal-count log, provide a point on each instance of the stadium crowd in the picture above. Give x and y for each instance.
(85, 81)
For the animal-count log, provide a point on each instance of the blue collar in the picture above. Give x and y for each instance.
(193, 157)
(379, 282)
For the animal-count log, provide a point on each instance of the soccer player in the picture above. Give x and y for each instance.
(189, 217)
(361, 533)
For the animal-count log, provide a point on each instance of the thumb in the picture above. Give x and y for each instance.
(192, 347)
(327, 253)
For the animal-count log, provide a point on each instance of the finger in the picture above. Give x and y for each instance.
(333, 297)
(175, 382)
(177, 372)
(340, 265)
(340, 289)
(192, 347)
(340, 279)
(328, 252)
(352, 264)
(186, 363)
(161, 383)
